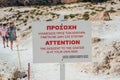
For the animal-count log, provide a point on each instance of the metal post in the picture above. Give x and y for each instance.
(62, 71)
(62, 64)
(28, 71)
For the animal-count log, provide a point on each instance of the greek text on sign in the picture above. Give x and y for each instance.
(56, 41)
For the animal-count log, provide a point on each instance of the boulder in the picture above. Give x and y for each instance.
(104, 16)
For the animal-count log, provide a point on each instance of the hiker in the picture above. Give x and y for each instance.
(11, 31)
(3, 33)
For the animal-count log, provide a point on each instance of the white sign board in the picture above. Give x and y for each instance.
(57, 41)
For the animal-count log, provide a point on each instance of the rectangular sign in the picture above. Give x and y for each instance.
(61, 41)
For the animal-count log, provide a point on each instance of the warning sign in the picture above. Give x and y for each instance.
(57, 41)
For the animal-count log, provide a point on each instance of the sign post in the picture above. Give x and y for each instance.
(62, 71)
(61, 41)
(62, 64)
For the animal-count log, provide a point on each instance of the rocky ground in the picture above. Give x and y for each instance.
(105, 39)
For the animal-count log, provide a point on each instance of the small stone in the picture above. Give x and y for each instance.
(95, 40)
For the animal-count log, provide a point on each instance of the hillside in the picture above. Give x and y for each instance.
(105, 47)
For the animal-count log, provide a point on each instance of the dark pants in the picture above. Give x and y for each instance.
(5, 38)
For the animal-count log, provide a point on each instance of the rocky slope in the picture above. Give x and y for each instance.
(106, 46)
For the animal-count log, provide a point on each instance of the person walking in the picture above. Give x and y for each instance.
(3, 33)
(11, 31)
